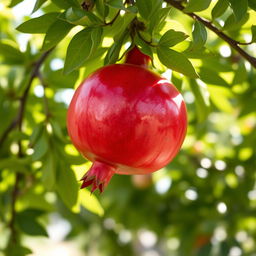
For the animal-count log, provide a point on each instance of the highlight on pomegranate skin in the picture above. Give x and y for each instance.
(126, 120)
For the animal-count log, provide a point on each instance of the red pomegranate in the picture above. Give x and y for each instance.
(126, 120)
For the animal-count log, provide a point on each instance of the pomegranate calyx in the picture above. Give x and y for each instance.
(136, 57)
(98, 176)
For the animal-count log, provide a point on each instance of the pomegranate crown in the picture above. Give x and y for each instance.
(136, 57)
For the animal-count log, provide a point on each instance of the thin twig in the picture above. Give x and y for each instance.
(113, 20)
(233, 43)
(144, 40)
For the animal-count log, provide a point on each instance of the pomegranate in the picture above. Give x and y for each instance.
(126, 120)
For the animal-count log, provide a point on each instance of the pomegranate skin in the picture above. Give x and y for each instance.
(127, 117)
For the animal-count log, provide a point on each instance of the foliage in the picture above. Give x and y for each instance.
(203, 203)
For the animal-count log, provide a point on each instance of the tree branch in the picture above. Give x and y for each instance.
(233, 43)
(17, 121)
(46, 103)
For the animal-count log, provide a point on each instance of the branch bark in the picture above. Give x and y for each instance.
(18, 122)
(233, 43)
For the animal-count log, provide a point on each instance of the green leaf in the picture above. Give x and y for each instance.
(171, 38)
(240, 74)
(201, 100)
(81, 47)
(17, 250)
(252, 4)
(38, 4)
(81, 17)
(253, 29)
(177, 80)
(176, 61)
(90, 202)
(219, 9)
(210, 77)
(49, 171)
(58, 80)
(197, 5)
(67, 186)
(15, 164)
(41, 147)
(57, 129)
(120, 24)
(199, 36)
(10, 54)
(144, 7)
(116, 4)
(114, 51)
(100, 7)
(220, 97)
(38, 25)
(232, 24)
(35, 200)
(96, 37)
(65, 4)
(158, 18)
(35, 134)
(18, 135)
(144, 47)
(28, 224)
(239, 8)
(56, 32)
(14, 2)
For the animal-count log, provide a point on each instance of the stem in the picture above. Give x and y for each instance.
(18, 120)
(144, 40)
(113, 20)
(233, 43)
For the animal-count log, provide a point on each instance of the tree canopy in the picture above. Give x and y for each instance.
(203, 202)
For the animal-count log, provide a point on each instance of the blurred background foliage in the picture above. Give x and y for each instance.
(202, 203)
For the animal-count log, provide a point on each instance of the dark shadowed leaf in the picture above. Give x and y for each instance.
(38, 4)
(239, 8)
(252, 4)
(144, 7)
(219, 8)
(27, 221)
(100, 7)
(15, 2)
(253, 29)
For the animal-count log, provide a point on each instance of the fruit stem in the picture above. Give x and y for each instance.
(98, 176)
(136, 57)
